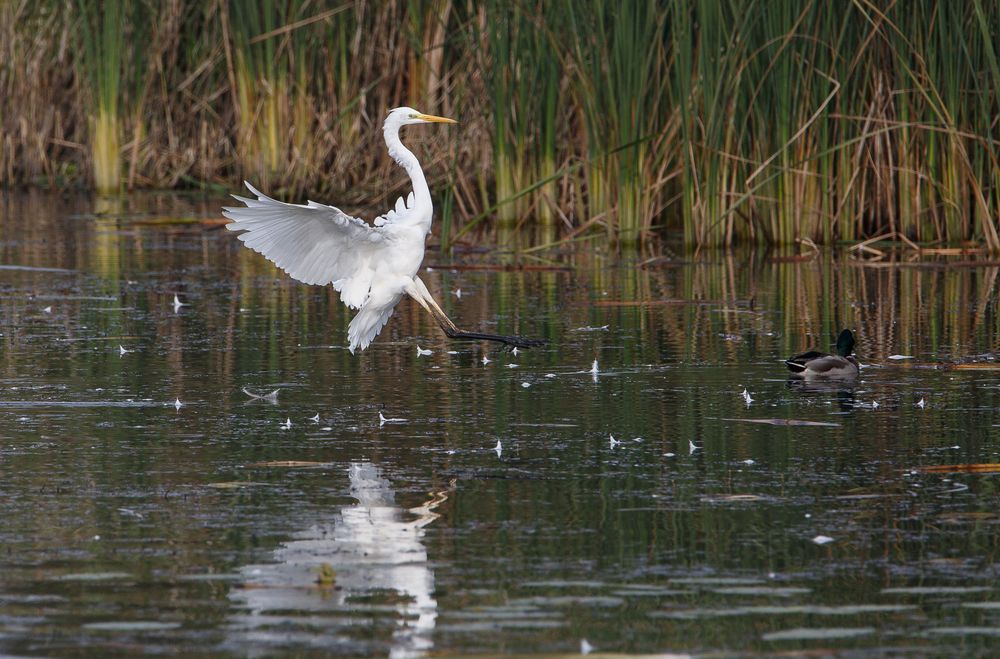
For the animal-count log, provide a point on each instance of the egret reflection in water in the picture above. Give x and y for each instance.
(376, 552)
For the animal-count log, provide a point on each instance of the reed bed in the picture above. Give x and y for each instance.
(709, 121)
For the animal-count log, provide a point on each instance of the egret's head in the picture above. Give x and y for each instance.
(405, 116)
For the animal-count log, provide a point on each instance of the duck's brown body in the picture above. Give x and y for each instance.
(814, 365)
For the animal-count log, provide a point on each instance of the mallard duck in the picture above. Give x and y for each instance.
(811, 365)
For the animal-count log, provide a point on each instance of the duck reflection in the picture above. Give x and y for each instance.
(370, 560)
(844, 390)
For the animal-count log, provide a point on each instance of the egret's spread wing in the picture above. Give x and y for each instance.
(314, 243)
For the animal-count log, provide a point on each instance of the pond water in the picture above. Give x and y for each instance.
(149, 504)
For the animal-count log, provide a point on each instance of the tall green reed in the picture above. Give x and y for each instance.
(706, 54)
(102, 33)
(618, 55)
(260, 85)
(716, 122)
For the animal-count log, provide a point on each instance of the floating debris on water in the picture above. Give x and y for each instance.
(787, 422)
(818, 633)
(382, 420)
(271, 397)
(92, 576)
(975, 468)
(287, 463)
(935, 590)
(602, 328)
(326, 575)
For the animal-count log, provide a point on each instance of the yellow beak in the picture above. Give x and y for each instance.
(436, 120)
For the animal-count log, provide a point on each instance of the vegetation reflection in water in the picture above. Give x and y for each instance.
(215, 526)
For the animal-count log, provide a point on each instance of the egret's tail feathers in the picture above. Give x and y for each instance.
(367, 324)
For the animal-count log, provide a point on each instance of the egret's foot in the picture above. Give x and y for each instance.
(524, 342)
(508, 341)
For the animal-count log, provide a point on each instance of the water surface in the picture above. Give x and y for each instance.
(150, 505)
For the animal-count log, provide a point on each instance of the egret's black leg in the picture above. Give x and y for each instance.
(423, 296)
(454, 332)
(509, 341)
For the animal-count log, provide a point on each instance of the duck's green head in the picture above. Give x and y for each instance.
(845, 343)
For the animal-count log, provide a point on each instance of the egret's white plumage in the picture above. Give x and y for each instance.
(371, 265)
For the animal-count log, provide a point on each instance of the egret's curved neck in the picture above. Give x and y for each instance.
(405, 158)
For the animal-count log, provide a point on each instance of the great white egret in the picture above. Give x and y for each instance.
(370, 265)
